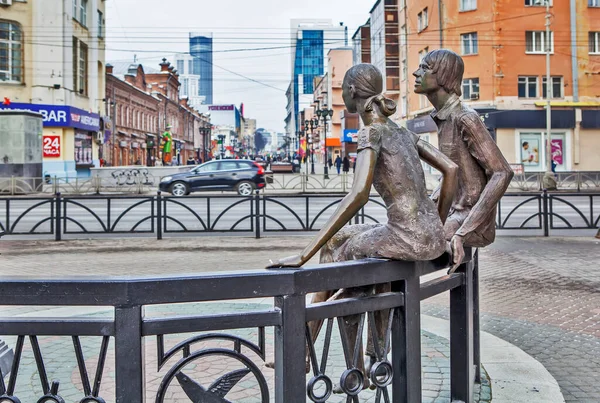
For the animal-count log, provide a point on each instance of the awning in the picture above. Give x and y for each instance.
(122, 133)
(136, 135)
(567, 104)
(333, 142)
(150, 135)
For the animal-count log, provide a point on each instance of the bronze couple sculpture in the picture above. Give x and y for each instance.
(461, 211)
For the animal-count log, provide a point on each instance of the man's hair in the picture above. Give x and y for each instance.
(449, 68)
(525, 143)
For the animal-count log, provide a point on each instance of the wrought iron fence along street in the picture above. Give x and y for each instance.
(140, 181)
(396, 377)
(538, 213)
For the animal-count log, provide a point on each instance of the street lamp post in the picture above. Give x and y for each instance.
(222, 145)
(313, 123)
(325, 113)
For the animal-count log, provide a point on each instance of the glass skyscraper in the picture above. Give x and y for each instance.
(311, 40)
(201, 49)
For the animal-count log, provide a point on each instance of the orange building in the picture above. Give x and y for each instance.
(503, 44)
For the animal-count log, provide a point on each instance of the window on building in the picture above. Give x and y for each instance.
(100, 24)
(593, 3)
(422, 54)
(528, 87)
(594, 38)
(75, 9)
(11, 52)
(180, 64)
(469, 43)
(422, 20)
(538, 2)
(535, 42)
(556, 89)
(470, 88)
(467, 5)
(83, 12)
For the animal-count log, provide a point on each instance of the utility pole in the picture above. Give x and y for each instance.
(549, 180)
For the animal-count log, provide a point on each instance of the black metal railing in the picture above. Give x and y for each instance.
(395, 376)
(159, 215)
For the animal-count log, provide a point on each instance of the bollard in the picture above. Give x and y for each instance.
(257, 214)
(545, 212)
(159, 228)
(58, 229)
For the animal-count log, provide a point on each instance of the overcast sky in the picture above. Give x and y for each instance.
(154, 29)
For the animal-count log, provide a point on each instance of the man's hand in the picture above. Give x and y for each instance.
(290, 261)
(457, 252)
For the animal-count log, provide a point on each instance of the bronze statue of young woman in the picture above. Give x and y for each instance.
(389, 158)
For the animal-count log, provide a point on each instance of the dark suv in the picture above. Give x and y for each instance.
(242, 176)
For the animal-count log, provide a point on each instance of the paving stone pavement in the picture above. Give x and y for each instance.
(60, 362)
(540, 294)
(543, 295)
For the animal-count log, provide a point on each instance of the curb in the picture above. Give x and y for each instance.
(515, 376)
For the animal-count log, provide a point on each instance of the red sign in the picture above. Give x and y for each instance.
(51, 146)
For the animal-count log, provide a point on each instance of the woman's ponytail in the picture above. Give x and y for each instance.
(386, 105)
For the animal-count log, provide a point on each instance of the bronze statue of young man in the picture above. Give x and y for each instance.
(389, 158)
(484, 174)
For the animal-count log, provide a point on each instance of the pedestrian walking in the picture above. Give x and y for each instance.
(338, 164)
(191, 160)
(346, 164)
(329, 162)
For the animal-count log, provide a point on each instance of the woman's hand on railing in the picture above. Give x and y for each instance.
(290, 261)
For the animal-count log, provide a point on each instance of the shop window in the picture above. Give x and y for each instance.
(532, 151)
(83, 149)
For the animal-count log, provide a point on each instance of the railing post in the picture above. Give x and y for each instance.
(97, 184)
(545, 212)
(303, 179)
(55, 185)
(12, 186)
(406, 343)
(461, 338)
(290, 350)
(257, 214)
(58, 217)
(159, 227)
(129, 354)
(344, 175)
(476, 322)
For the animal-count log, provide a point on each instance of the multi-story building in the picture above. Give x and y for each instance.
(190, 82)
(59, 75)
(361, 41)
(385, 48)
(201, 50)
(134, 111)
(503, 45)
(143, 102)
(311, 41)
(227, 121)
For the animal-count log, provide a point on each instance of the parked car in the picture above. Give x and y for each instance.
(242, 176)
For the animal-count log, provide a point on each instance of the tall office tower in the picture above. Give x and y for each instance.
(201, 49)
(311, 41)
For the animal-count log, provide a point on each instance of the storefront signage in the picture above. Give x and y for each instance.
(421, 125)
(51, 146)
(61, 116)
(350, 136)
(221, 107)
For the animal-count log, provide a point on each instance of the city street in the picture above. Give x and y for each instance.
(540, 294)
